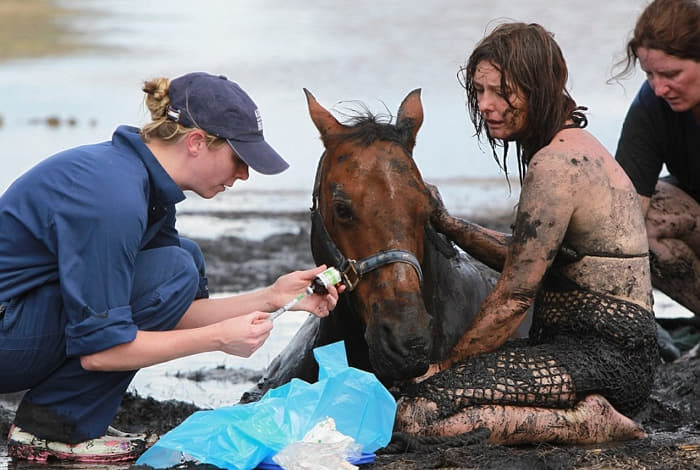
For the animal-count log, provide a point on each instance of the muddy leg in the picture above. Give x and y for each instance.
(592, 420)
(673, 228)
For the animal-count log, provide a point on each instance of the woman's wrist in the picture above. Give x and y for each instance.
(271, 300)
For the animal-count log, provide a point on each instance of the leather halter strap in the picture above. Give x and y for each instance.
(352, 270)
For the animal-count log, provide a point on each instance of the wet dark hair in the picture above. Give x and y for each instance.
(671, 26)
(529, 60)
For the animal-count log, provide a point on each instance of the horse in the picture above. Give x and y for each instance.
(410, 292)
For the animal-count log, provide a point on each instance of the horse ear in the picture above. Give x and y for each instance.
(411, 115)
(324, 120)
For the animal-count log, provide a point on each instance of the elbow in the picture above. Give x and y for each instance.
(521, 316)
(112, 359)
(90, 363)
(518, 307)
(97, 362)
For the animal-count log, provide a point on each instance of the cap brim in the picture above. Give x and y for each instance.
(259, 156)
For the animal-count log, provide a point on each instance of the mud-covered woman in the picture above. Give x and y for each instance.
(578, 255)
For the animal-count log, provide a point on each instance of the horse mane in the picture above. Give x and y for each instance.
(366, 128)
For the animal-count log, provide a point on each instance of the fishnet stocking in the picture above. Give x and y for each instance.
(580, 343)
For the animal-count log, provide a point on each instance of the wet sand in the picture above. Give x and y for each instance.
(671, 417)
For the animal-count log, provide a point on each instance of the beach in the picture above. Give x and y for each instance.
(165, 396)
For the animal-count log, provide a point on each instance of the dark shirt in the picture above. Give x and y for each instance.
(653, 135)
(80, 218)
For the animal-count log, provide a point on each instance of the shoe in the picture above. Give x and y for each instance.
(115, 446)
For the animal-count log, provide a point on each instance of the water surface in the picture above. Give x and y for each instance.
(360, 50)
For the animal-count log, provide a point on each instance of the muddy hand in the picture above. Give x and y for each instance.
(432, 370)
(439, 213)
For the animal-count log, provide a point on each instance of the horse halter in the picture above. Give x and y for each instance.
(352, 270)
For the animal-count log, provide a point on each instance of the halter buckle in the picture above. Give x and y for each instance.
(350, 275)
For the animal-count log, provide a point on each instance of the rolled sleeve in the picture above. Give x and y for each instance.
(80, 218)
(100, 331)
(96, 237)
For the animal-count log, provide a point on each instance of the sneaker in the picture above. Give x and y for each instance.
(115, 446)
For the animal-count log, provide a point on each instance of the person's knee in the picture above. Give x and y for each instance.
(191, 247)
(184, 270)
(670, 221)
(198, 257)
(166, 282)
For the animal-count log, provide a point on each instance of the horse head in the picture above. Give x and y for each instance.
(369, 198)
(411, 293)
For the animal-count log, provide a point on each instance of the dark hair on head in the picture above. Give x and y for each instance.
(671, 26)
(529, 60)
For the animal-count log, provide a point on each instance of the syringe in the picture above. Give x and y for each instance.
(290, 304)
(330, 276)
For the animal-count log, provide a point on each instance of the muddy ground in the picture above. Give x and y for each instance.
(671, 417)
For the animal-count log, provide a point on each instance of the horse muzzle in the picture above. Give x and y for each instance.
(398, 336)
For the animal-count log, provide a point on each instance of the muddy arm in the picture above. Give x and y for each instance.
(486, 245)
(541, 224)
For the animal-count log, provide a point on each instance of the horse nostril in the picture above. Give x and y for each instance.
(404, 342)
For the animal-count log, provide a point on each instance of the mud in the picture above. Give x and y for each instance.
(671, 417)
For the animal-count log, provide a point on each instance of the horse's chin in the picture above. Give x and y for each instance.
(398, 336)
(389, 367)
(394, 376)
(389, 373)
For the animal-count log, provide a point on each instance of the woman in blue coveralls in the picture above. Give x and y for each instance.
(96, 283)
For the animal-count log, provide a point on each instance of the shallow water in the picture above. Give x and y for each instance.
(361, 50)
(357, 51)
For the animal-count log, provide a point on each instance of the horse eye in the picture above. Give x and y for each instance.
(343, 211)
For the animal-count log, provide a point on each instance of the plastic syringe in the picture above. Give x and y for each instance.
(290, 304)
(319, 285)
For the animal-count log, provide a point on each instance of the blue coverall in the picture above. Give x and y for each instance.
(89, 254)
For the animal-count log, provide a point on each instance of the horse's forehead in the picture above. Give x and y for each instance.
(374, 175)
(378, 158)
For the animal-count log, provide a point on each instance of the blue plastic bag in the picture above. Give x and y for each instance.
(241, 436)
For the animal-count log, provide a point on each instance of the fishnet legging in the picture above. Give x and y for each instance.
(581, 343)
(514, 375)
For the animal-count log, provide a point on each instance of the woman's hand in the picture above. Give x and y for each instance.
(432, 370)
(321, 304)
(290, 285)
(439, 213)
(243, 335)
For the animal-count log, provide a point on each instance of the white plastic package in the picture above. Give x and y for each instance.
(322, 448)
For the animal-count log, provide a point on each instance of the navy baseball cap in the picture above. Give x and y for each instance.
(221, 108)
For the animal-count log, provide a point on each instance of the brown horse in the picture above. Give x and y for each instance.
(410, 293)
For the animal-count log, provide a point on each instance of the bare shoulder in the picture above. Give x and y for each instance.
(572, 149)
(577, 156)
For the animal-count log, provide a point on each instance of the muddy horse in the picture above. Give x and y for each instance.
(410, 292)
